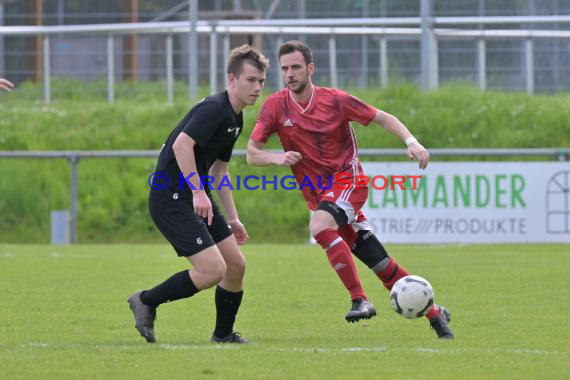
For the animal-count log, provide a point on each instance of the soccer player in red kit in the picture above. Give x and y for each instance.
(313, 125)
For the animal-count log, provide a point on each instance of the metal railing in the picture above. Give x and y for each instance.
(74, 157)
(428, 30)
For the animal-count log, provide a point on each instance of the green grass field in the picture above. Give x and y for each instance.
(63, 315)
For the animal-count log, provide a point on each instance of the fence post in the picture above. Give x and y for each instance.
(193, 75)
(279, 76)
(213, 61)
(363, 79)
(302, 14)
(364, 50)
(428, 48)
(110, 69)
(73, 187)
(2, 52)
(482, 64)
(225, 56)
(47, 79)
(169, 70)
(529, 55)
(383, 62)
(332, 60)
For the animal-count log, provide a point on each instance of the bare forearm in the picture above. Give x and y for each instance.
(256, 156)
(415, 150)
(227, 200)
(184, 154)
(220, 172)
(396, 127)
(259, 157)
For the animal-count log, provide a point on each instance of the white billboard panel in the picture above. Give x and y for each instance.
(466, 202)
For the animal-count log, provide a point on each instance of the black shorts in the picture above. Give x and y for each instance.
(187, 232)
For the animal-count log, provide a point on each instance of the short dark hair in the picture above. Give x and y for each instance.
(293, 46)
(246, 54)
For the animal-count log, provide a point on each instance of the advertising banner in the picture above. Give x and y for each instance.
(466, 202)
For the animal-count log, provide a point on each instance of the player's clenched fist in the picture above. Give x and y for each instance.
(289, 158)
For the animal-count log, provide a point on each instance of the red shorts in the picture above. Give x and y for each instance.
(350, 195)
(348, 232)
(350, 200)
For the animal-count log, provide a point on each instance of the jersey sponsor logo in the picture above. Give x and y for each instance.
(330, 194)
(288, 123)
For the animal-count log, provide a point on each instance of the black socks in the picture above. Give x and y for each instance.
(178, 286)
(227, 305)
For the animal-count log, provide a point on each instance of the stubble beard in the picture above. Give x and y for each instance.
(302, 87)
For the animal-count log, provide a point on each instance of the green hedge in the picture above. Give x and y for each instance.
(113, 192)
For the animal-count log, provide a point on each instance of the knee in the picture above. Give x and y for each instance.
(318, 224)
(236, 268)
(216, 272)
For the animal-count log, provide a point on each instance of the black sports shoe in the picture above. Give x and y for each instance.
(144, 316)
(233, 337)
(361, 309)
(441, 323)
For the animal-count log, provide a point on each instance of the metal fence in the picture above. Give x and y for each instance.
(74, 157)
(431, 38)
(427, 42)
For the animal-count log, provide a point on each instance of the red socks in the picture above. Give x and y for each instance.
(393, 273)
(348, 234)
(434, 312)
(336, 244)
(340, 258)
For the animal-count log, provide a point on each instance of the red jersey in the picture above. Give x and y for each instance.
(320, 131)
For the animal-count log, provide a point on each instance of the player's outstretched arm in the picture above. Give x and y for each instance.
(415, 150)
(5, 84)
(256, 156)
(219, 171)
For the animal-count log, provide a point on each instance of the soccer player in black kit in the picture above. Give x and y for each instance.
(188, 217)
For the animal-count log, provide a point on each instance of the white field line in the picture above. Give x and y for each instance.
(344, 350)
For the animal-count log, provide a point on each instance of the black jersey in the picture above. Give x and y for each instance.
(215, 127)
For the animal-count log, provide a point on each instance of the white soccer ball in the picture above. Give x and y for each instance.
(412, 296)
